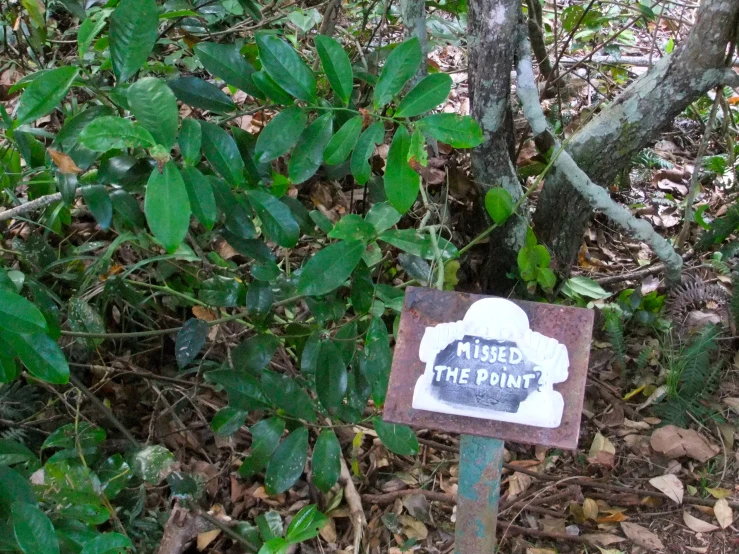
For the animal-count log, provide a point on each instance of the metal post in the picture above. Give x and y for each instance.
(480, 465)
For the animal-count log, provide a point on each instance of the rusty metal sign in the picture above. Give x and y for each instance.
(491, 367)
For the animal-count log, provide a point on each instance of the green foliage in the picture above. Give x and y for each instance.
(693, 370)
(149, 141)
(533, 265)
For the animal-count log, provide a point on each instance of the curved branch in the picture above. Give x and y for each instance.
(30, 206)
(597, 197)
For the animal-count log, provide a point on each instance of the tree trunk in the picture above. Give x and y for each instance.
(491, 33)
(606, 144)
(414, 20)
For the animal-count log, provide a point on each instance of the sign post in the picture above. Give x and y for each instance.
(490, 369)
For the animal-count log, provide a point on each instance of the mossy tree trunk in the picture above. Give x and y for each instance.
(606, 144)
(491, 42)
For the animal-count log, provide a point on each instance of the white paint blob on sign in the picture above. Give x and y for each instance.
(491, 365)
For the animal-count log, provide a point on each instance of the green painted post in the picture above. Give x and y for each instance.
(480, 465)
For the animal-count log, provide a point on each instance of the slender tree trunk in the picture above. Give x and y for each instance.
(606, 144)
(414, 19)
(536, 36)
(490, 36)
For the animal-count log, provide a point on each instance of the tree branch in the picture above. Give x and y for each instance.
(597, 197)
(30, 206)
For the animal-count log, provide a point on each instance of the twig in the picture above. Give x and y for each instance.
(390, 497)
(640, 273)
(516, 530)
(181, 527)
(596, 196)
(354, 501)
(31, 206)
(103, 409)
(221, 525)
(694, 183)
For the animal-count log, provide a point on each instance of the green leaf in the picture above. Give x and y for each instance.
(265, 436)
(378, 359)
(402, 64)
(226, 62)
(44, 93)
(153, 463)
(98, 200)
(33, 530)
(191, 138)
(401, 181)
(190, 341)
(285, 393)
(307, 523)
(382, 216)
(200, 193)
(431, 91)
(360, 167)
(8, 367)
(13, 488)
(284, 65)
(221, 292)
(167, 206)
(108, 132)
(418, 244)
(134, 27)
(13, 452)
(89, 29)
(252, 8)
(325, 463)
(227, 421)
(41, 355)
(154, 105)
(278, 222)
(268, 86)
(280, 134)
(331, 377)
(307, 155)
(330, 268)
(499, 204)
(336, 65)
(352, 227)
(19, 315)
(85, 319)
(363, 289)
(201, 94)
(459, 131)
(255, 353)
(399, 439)
(342, 143)
(222, 153)
(276, 545)
(287, 462)
(585, 286)
(244, 391)
(107, 543)
(546, 278)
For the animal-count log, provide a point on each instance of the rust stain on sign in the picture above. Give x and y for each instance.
(424, 308)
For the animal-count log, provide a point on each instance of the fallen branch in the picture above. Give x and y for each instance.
(390, 497)
(507, 527)
(640, 273)
(597, 197)
(30, 206)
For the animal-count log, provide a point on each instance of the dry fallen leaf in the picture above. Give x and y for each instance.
(610, 550)
(670, 485)
(698, 525)
(641, 536)
(204, 313)
(675, 442)
(602, 452)
(540, 551)
(204, 539)
(63, 162)
(590, 508)
(724, 513)
(719, 493)
(732, 403)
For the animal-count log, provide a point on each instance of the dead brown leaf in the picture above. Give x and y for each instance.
(724, 513)
(602, 452)
(63, 162)
(641, 536)
(675, 442)
(670, 485)
(698, 525)
(604, 539)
